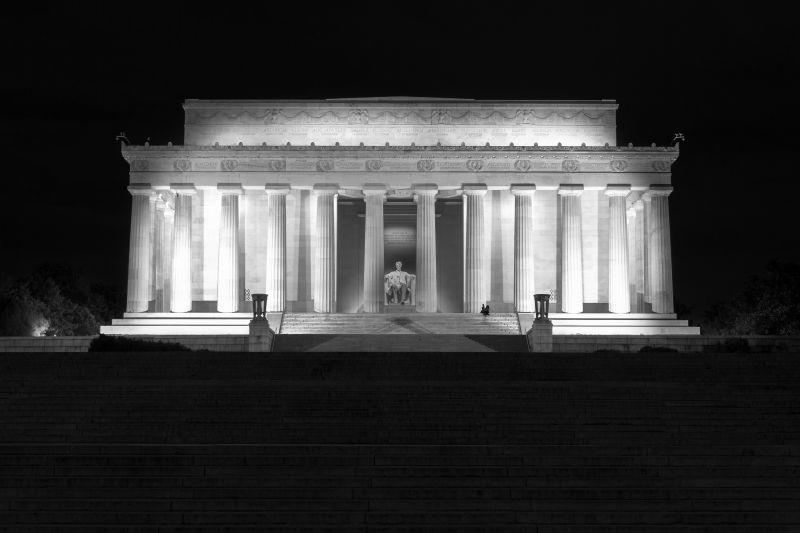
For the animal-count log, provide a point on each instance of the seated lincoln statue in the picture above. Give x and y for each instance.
(399, 285)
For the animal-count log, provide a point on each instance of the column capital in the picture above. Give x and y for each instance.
(657, 190)
(474, 189)
(568, 189)
(374, 189)
(277, 188)
(618, 190)
(326, 188)
(140, 189)
(230, 188)
(425, 188)
(183, 189)
(523, 189)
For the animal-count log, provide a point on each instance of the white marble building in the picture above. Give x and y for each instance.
(484, 202)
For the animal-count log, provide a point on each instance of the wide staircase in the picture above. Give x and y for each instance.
(382, 442)
(400, 332)
(400, 323)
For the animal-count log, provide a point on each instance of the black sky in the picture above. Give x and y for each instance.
(724, 76)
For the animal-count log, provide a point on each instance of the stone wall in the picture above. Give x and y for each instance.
(45, 344)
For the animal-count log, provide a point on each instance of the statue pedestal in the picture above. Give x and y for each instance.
(399, 308)
(260, 336)
(540, 336)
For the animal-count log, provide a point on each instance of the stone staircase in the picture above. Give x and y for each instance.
(397, 323)
(379, 442)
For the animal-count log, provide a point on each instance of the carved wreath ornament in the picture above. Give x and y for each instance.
(618, 165)
(474, 165)
(324, 165)
(522, 165)
(661, 166)
(229, 165)
(569, 165)
(139, 165)
(425, 165)
(182, 165)
(276, 165)
(374, 164)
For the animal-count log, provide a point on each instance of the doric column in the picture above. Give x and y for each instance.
(140, 248)
(475, 248)
(660, 249)
(166, 252)
(618, 289)
(325, 249)
(426, 297)
(571, 249)
(158, 254)
(631, 219)
(228, 293)
(524, 285)
(647, 216)
(276, 246)
(374, 196)
(181, 278)
(639, 247)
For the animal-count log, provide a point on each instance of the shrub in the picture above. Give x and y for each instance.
(113, 343)
(657, 349)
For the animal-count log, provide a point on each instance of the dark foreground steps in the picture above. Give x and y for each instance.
(399, 442)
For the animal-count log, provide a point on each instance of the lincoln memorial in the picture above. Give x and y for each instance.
(428, 208)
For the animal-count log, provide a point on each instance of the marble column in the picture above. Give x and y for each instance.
(276, 247)
(181, 278)
(228, 290)
(660, 249)
(166, 252)
(140, 248)
(618, 290)
(426, 296)
(524, 285)
(631, 220)
(639, 247)
(571, 249)
(374, 196)
(325, 249)
(646, 230)
(158, 254)
(475, 248)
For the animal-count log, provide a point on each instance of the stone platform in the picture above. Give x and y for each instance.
(375, 442)
(398, 323)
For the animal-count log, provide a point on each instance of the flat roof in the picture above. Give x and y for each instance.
(393, 100)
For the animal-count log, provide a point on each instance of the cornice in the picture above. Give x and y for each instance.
(227, 149)
(378, 159)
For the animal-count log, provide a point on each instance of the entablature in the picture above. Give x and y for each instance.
(385, 159)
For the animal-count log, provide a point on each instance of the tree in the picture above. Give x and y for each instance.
(769, 304)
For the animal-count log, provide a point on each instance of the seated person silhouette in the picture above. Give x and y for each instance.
(397, 284)
(485, 310)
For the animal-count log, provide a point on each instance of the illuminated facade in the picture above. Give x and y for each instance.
(484, 202)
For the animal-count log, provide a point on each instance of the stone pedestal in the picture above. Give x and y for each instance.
(540, 336)
(261, 337)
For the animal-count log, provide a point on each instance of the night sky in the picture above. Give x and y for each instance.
(76, 77)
